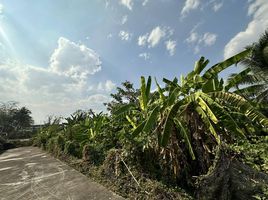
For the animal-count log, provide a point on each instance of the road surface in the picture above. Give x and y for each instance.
(28, 173)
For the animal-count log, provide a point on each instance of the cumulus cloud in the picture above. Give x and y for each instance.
(107, 86)
(97, 98)
(127, 3)
(142, 40)
(258, 10)
(124, 35)
(155, 36)
(61, 88)
(192, 38)
(124, 19)
(74, 60)
(201, 40)
(209, 39)
(189, 5)
(171, 47)
(145, 56)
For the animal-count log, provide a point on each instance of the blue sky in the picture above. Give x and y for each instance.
(60, 56)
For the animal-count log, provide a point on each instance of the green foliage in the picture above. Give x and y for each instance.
(51, 145)
(71, 148)
(254, 151)
(180, 124)
(60, 142)
(14, 121)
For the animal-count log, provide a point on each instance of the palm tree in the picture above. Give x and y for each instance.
(257, 60)
(252, 82)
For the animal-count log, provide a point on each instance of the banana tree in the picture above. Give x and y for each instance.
(198, 114)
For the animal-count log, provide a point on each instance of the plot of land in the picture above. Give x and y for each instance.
(30, 174)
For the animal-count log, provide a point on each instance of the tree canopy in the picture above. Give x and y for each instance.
(14, 119)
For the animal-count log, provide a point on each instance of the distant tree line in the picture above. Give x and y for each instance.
(15, 121)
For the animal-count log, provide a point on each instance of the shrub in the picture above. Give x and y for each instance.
(93, 154)
(60, 142)
(72, 148)
(51, 145)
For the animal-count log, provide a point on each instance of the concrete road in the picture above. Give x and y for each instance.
(28, 173)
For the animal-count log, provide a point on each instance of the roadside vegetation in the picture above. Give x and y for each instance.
(196, 137)
(15, 126)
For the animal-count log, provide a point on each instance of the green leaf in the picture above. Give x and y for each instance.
(208, 124)
(139, 129)
(184, 134)
(169, 123)
(171, 83)
(209, 86)
(123, 109)
(224, 115)
(151, 120)
(131, 122)
(148, 87)
(200, 65)
(173, 96)
(216, 69)
(235, 80)
(207, 110)
(143, 97)
(160, 91)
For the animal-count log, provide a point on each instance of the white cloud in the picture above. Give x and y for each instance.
(152, 38)
(155, 36)
(142, 39)
(171, 47)
(258, 9)
(127, 3)
(189, 5)
(108, 86)
(217, 6)
(59, 89)
(145, 56)
(201, 40)
(192, 38)
(74, 60)
(124, 35)
(209, 39)
(144, 3)
(97, 98)
(124, 19)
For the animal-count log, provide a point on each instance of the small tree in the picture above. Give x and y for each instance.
(14, 120)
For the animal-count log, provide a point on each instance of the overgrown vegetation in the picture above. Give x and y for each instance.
(199, 135)
(15, 121)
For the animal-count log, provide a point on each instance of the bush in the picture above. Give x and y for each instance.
(72, 148)
(51, 145)
(41, 139)
(60, 142)
(93, 154)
